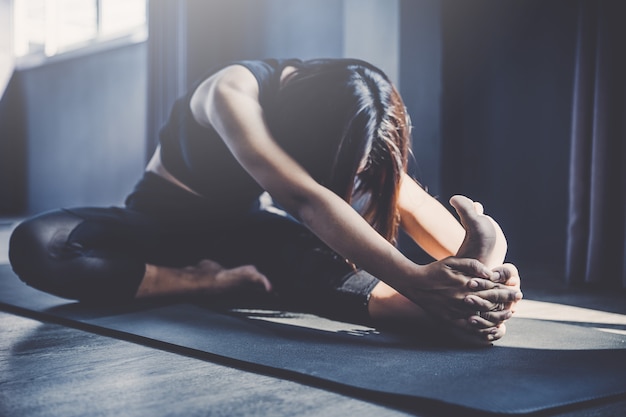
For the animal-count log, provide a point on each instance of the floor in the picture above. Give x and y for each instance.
(51, 370)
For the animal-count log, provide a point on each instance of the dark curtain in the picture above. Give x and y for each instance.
(596, 245)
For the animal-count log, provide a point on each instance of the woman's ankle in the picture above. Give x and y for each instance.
(386, 304)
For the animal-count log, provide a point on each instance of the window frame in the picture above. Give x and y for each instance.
(98, 43)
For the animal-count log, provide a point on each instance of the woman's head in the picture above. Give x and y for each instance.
(345, 122)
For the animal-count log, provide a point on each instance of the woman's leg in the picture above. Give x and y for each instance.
(80, 254)
(305, 274)
(103, 255)
(205, 278)
(387, 306)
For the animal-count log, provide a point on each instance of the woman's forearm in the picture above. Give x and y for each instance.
(440, 234)
(427, 221)
(345, 231)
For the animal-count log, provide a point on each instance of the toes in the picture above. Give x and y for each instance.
(507, 273)
(479, 322)
(487, 319)
(468, 336)
(477, 336)
(492, 334)
(250, 274)
(464, 207)
(480, 237)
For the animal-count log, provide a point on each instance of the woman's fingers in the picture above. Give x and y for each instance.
(484, 336)
(494, 312)
(487, 319)
(513, 282)
(490, 299)
(505, 273)
(478, 284)
(469, 267)
(466, 299)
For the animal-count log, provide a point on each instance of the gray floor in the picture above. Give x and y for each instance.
(51, 370)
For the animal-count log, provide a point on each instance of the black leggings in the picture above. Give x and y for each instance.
(99, 254)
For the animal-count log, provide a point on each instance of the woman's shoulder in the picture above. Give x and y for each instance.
(262, 69)
(267, 73)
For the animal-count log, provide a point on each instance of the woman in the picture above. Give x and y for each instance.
(328, 140)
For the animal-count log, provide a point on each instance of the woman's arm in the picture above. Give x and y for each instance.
(477, 236)
(228, 101)
(427, 221)
(438, 232)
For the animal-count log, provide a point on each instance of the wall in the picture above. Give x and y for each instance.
(507, 101)
(487, 83)
(11, 176)
(194, 36)
(421, 85)
(221, 31)
(84, 125)
(12, 150)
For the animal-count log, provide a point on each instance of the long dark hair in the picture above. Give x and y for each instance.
(345, 122)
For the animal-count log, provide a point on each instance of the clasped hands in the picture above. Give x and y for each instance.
(473, 293)
(468, 299)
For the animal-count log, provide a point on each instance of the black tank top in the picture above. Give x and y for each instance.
(199, 158)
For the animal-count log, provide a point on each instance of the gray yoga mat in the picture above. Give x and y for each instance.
(539, 366)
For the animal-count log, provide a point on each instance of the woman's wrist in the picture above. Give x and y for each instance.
(412, 277)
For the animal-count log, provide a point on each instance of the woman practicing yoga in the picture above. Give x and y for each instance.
(283, 180)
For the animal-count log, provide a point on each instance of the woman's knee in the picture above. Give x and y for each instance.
(38, 243)
(76, 254)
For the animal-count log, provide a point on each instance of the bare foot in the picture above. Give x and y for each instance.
(389, 309)
(484, 239)
(207, 277)
(216, 279)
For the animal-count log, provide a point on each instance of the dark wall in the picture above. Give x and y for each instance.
(78, 134)
(508, 72)
(421, 85)
(12, 150)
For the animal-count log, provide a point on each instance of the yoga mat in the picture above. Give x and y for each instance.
(538, 366)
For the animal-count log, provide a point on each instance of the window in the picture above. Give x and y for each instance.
(45, 28)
